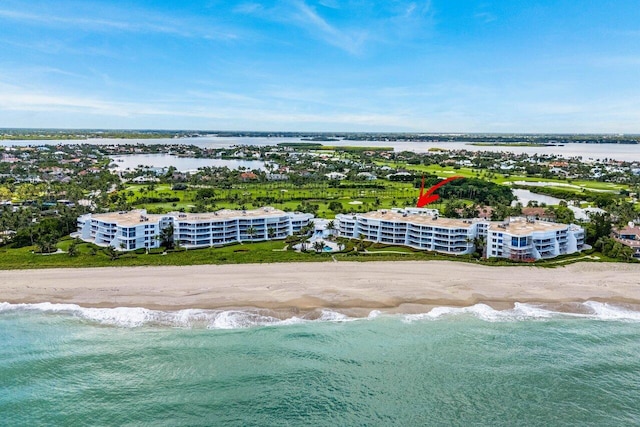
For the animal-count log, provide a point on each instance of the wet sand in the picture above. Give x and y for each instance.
(408, 286)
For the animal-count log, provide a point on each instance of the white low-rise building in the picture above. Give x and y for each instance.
(524, 239)
(420, 228)
(335, 175)
(136, 229)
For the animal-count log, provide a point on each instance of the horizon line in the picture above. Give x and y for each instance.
(315, 132)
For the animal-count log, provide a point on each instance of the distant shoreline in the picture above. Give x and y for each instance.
(481, 139)
(405, 286)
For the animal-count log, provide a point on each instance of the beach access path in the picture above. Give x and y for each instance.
(391, 286)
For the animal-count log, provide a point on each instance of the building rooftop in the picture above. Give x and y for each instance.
(137, 216)
(627, 242)
(228, 213)
(540, 212)
(629, 230)
(132, 217)
(521, 226)
(422, 219)
(517, 226)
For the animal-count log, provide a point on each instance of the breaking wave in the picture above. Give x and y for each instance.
(133, 317)
(588, 310)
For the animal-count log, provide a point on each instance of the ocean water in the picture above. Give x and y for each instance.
(65, 365)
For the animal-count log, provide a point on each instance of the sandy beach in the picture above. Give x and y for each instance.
(391, 286)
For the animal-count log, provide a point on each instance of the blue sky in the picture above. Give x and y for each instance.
(416, 66)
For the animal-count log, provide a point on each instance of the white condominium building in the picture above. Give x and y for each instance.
(515, 238)
(136, 229)
(525, 239)
(122, 230)
(415, 227)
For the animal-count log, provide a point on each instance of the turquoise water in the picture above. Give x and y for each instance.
(62, 365)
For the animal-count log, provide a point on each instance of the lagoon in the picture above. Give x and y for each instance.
(626, 152)
(524, 196)
(182, 164)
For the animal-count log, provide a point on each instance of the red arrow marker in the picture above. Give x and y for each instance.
(425, 198)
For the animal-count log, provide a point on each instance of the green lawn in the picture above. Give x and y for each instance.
(501, 178)
(261, 252)
(286, 196)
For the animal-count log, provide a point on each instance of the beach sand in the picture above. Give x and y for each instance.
(410, 286)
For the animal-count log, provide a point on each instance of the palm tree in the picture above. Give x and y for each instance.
(331, 226)
(166, 237)
(627, 253)
(309, 228)
(271, 232)
(360, 244)
(73, 250)
(318, 246)
(111, 252)
(251, 231)
(480, 244)
(45, 243)
(469, 241)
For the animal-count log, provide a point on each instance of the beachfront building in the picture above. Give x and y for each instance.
(523, 239)
(122, 230)
(420, 228)
(130, 230)
(629, 236)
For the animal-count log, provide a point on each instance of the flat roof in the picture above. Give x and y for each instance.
(421, 219)
(132, 217)
(522, 226)
(228, 214)
(137, 216)
(519, 226)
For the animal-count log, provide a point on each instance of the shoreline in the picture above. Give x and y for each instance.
(354, 287)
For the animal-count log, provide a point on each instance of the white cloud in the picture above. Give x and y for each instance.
(248, 8)
(134, 21)
(300, 14)
(219, 107)
(331, 4)
(432, 108)
(485, 17)
(309, 19)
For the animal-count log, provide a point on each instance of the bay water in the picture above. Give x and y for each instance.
(625, 152)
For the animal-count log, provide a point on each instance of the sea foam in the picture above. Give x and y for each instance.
(588, 310)
(484, 312)
(606, 311)
(133, 317)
